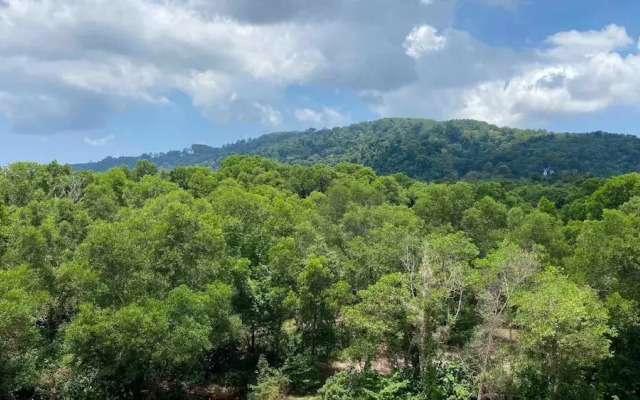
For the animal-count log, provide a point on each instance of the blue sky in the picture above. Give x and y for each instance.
(81, 80)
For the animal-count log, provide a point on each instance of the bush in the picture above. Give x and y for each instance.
(369, 385)
(454, 381)
(303, 374)
(272, 383)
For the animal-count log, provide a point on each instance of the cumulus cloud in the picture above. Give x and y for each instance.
(137, 51)
(571, 73)
(71, 65)
(423, 39)
(575, 44)
(325, 118)
(79, 62)
(100, 141)
(581, 73)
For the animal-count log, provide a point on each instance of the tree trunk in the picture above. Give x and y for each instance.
(480, 391)
(555, 374)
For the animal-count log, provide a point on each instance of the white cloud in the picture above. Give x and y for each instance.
(270, 116)
(92, 50)
(95, 58)
(423, 39)
(70, 65)
(571, 73)
(594, 79)
(325, 118)
(100, 141)
(574, 44)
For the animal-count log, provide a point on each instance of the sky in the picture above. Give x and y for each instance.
(84, 79)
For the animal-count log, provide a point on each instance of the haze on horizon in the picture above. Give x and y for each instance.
(81, 80)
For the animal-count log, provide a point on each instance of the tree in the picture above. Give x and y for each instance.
(485, 223)
(185, 242)
(348, 190)
(615, 192)
(144, 167)
(22, 305)
(4, 229)
(149, 187)
(319, 302)
(563, 331)
(501, 275)
(380, 323)
(545, 206)
(112, 252)
(438, 281)
(440, 205)
(606, 256)
(539, 230)
(100, 202)
(134, 351)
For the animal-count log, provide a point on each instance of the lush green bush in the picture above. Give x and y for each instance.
(272, 383)
(369, 385)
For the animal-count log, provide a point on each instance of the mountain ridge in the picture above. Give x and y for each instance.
(423, 149)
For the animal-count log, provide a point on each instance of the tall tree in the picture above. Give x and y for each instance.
(562, 331)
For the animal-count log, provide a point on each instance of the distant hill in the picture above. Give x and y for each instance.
(425, 149)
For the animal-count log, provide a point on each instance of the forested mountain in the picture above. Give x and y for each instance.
(265, 280)
(425, 150)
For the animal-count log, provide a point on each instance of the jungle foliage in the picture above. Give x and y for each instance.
(268, 280)
(426, 150)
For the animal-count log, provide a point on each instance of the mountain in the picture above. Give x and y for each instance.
(425, 149)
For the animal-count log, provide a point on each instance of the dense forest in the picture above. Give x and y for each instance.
(425, 150)
(271, 281)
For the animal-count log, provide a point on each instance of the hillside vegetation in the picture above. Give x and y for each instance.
(425, 150)
(255, 279)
